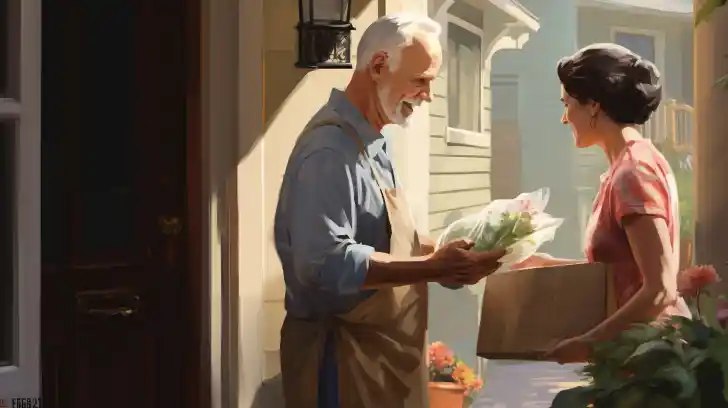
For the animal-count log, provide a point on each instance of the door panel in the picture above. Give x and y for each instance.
(114, 195)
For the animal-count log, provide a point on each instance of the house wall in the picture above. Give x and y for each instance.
(460, 175)
(292, 97)
(595, 25)
(548, 157)
(250, 295)
(460, 179)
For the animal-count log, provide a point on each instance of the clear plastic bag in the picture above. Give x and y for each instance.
(520, 225)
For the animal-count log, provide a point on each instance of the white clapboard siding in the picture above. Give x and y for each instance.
(460, 178)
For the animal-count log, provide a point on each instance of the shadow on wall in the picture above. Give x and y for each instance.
(282, 79)
(290, 96)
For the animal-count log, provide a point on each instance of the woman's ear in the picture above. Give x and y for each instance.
(594, 108)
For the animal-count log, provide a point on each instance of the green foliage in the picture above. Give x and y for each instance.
(707, 10)
(511, 228)
(703, 14)
(679, 363)
(686, 192)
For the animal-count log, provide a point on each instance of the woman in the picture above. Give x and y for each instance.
(608, 91)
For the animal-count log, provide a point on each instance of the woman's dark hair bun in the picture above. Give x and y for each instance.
(626, 86)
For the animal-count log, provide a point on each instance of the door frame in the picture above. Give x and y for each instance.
(197, 381)
(22, 106)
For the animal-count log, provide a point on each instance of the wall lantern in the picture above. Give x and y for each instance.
(324, 34)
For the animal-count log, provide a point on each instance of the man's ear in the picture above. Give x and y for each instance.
(378, 65)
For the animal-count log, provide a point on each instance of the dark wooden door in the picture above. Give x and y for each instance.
(115, 315)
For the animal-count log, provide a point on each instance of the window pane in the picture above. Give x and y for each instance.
(9, 57)
(642, 45)
(464, 78)
(7, 242)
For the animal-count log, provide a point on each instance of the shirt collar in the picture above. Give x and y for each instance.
(347, 111)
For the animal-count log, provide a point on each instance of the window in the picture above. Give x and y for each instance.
(645, 43)
(7, 250)
(20, 22)
(464, 75)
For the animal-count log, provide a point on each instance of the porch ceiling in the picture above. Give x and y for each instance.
(519, 12)
(675, 7)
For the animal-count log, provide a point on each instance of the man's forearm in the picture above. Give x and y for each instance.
(386, 270)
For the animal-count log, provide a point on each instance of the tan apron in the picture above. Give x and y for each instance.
(380, 344)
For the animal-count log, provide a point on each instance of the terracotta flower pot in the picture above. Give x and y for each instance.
(446, 395)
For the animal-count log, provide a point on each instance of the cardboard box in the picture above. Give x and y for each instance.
(526, 312)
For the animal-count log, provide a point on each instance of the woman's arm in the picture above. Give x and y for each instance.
(649, 239)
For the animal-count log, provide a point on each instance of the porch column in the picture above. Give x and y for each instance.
(710, 132)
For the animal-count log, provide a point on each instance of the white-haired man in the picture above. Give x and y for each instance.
(355, 268)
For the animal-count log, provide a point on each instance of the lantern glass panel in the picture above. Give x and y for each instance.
(325, 11)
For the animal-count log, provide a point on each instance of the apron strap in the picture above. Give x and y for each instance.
(350, 131)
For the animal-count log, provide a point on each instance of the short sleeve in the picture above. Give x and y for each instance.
(639, 189)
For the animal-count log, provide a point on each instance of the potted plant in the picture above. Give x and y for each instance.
(452, 382)
(678, 363)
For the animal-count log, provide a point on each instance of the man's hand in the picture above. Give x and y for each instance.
(461, 266)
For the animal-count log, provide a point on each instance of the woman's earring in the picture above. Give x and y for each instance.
(593, 122)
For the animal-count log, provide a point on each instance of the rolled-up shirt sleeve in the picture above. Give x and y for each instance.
(323, 224)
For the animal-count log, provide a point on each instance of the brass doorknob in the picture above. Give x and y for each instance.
(170, 225)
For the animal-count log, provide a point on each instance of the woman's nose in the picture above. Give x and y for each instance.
(563, 119)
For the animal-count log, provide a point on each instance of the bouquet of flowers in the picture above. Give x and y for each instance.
(519, 225)
(444, 366)
(678, 363)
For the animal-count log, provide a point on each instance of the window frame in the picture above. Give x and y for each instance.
(467, 137)
(22, 378)
(658, 38)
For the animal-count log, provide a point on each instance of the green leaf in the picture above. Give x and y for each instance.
(694, 356)
(718, 352)
(707, 9)
(679, 376)
(578, 397)
(632, 397)
(709, 311)
(642, 332)
(661, 401)
(650, 347)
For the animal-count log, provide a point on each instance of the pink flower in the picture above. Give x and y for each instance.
(693, 279)
(721, 312)
(440, 356)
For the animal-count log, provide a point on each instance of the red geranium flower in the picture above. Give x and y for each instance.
(695, 278)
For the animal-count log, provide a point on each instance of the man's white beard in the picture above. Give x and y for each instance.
(395, 113)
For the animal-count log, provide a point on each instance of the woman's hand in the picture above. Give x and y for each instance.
(540, 260)
(536, 260)
(574, 350)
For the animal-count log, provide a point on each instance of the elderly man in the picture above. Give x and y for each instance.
(355, 268)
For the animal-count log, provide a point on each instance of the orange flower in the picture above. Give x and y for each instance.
(695, 278)
(466, 377)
